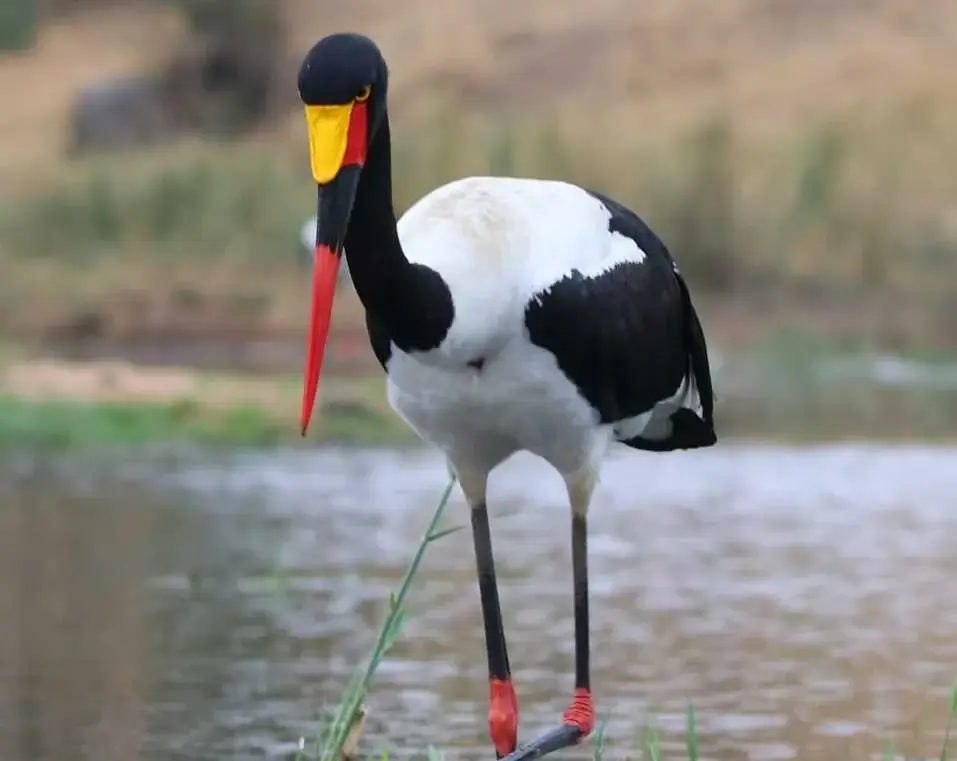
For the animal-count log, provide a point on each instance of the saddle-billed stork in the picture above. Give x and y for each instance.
(509, 314)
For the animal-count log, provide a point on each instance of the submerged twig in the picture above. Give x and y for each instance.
(351, 744)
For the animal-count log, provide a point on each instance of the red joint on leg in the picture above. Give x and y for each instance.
(581, 713)
(502, 715)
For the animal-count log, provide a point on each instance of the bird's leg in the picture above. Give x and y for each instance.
(503, 705)
(581, 713)
(579, 719)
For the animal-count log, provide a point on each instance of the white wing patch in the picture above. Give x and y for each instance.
(499, 242)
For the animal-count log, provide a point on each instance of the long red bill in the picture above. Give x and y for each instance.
(325, 272)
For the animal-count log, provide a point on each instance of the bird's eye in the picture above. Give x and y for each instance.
(364, 93)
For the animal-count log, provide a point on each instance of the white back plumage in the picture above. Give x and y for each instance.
(499, 241)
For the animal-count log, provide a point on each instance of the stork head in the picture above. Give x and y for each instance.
(342, 82)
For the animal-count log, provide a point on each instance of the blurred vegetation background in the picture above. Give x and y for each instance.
(797, 156)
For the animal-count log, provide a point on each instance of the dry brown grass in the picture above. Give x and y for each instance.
(603, 93)
(39, 87)
(122, 382)
(655, 66)
(646, 70)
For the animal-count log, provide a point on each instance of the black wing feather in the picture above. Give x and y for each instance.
(629, 337)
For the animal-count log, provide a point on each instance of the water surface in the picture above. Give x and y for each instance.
(803, 598)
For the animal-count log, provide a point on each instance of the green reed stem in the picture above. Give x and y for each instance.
(951, 715)
(349, 708)
(691, 733)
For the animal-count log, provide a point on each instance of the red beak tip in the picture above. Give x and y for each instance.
(325, 273)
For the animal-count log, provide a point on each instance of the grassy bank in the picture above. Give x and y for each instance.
(204, 240)
(795, 387)
(802, 172)
(53, 404)
(71, 423)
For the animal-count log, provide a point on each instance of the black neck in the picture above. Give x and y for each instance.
(411, 300)
(372, 241)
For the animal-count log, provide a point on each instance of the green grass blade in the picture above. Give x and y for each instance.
(395, 630)
(441, 533)
(355, 694)
(332, 738)
(889, 753)
(653, 743)
(691, 733)
(951, 715)
(599, 740)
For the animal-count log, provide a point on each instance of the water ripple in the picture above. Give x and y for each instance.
(802, 597)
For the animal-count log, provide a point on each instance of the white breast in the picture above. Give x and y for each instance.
(497, 243)
(519, 402)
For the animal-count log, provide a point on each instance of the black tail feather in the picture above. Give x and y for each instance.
(688, 430)
(698, 356)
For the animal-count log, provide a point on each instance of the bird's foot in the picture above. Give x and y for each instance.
(581, 713)
(577, 723)
(502, 716)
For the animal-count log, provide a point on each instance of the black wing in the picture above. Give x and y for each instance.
(629, 337)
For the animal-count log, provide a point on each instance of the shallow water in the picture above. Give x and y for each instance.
(803, 598)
